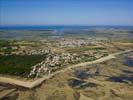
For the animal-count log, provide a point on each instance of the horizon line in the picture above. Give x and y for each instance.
(67, 25)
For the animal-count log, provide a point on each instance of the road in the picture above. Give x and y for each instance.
(37, 82)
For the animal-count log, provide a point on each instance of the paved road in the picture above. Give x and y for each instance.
(37, 82)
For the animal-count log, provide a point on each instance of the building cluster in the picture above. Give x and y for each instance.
(35, 52)
(52, 63)
(72, 43)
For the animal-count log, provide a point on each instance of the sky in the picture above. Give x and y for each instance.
(66, 12)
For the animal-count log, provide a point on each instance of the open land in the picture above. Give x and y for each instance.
(84, 64)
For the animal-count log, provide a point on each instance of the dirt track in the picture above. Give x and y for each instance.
(37, 82)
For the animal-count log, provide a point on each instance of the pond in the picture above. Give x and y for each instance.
(75, 82)
(128, 61)
(122, 79)
(81, 74)
(80, 84)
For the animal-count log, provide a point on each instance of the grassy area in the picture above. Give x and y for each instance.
(82, 49)
(6, 46)
(4, 43)
(18, 64)
(126, 41)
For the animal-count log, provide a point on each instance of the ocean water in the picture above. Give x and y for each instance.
(42, 27)
(60, 27)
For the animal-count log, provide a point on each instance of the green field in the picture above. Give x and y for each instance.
(18, 64)
(83, 49)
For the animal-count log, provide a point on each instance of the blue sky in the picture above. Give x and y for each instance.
(66, 12)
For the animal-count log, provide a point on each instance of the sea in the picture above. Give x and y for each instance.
(61, 27)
